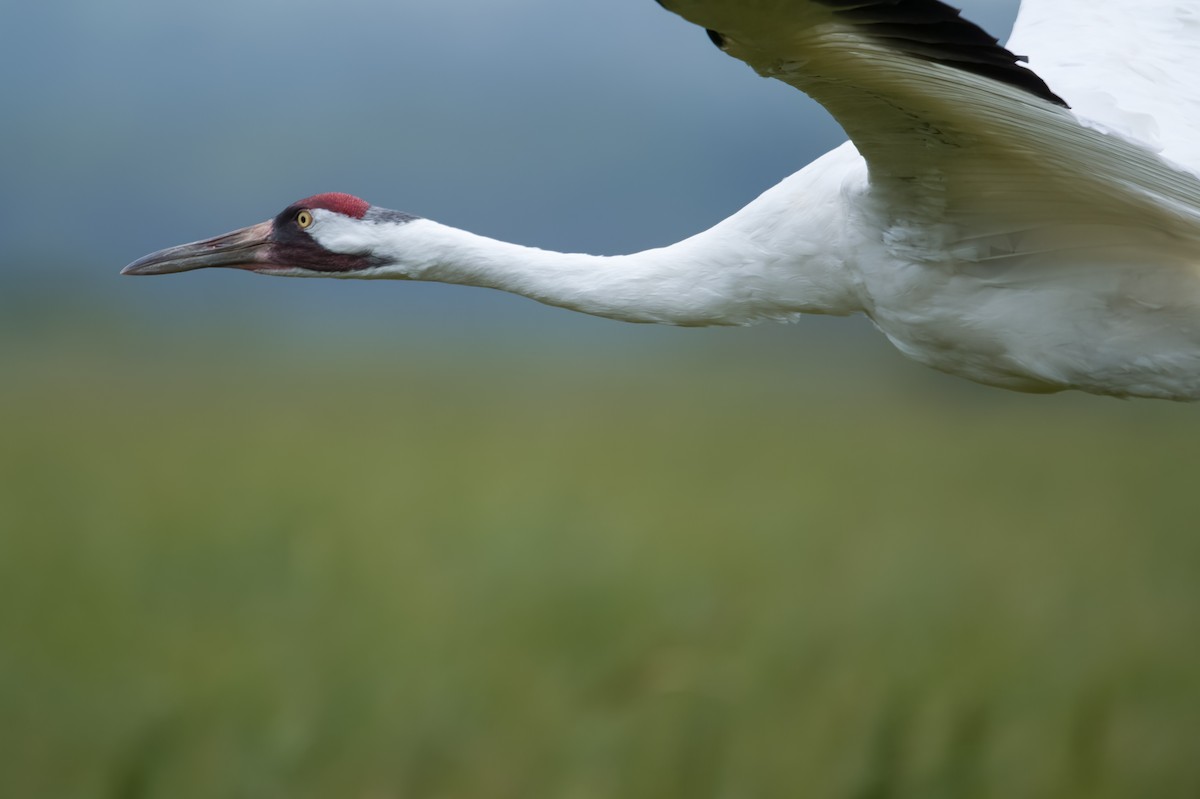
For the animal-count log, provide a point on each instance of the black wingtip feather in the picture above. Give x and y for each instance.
(934, 31)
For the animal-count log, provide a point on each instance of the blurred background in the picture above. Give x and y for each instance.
(269, 538)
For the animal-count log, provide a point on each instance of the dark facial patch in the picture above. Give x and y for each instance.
(292, 246)
(345, 204)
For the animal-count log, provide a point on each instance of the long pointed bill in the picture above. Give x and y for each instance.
(248, 248)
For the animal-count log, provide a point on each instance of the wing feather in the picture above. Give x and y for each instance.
(947, 120)
(1133, 66)
(937, 32)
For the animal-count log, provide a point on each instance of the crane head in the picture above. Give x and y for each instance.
(323, 235)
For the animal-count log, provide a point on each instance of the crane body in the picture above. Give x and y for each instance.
(985, 224)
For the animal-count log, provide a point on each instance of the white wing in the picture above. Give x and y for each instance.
(949, 120)
(1131, 65)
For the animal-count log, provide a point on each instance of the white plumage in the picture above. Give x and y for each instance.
(985, 228)
(1128, 67)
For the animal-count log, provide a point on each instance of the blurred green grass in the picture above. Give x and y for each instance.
(502, 577)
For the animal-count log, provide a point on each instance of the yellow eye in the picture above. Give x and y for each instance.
(304, 219)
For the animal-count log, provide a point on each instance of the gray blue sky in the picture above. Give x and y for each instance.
(594, 125)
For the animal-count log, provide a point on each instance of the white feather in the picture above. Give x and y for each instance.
(1129, 67)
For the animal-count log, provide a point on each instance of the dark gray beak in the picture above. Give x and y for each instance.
(248, 248)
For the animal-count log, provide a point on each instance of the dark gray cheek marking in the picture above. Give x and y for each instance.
(388, 215)
(310, 255)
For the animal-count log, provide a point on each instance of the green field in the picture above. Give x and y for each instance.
(587, 577)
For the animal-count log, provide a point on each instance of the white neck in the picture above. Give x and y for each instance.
(775, 259)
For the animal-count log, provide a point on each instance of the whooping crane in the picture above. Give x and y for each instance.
(1036, 229)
